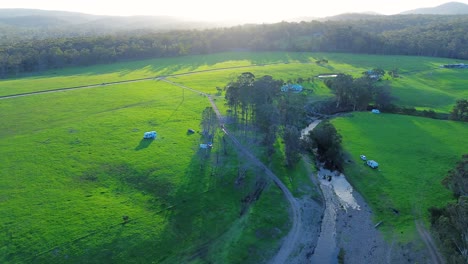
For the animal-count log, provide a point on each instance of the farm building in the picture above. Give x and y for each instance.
(373, 74)
(150, 135)
(456, 66)
(325, 76)
(291, 87)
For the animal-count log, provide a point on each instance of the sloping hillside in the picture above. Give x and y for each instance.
(451, 8)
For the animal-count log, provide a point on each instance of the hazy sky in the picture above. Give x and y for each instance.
(247, 10)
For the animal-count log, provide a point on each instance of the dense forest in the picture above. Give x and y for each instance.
(421, 35)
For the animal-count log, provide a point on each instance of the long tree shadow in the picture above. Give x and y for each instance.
(144, 143)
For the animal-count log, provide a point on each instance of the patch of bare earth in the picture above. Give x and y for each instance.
(362, 242)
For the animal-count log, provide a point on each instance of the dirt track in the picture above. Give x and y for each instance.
(427, 239)
(289, 244)
(294, 235)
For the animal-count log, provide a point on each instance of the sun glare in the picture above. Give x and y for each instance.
(240, 10)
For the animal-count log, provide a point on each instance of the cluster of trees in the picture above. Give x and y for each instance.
(260, 102)
(450, 223)
(442, 36)
(357, 93)
(460, 111)
(326, 140)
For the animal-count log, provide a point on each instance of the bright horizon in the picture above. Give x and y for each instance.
(217, 10)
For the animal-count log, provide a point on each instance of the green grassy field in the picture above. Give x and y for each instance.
(422, 84)
(414, 155)
(73, 163)
(434, 89)
(80, 76)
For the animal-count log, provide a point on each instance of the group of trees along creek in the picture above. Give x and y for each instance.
(443, 36)
(356, 93)
(260, 103)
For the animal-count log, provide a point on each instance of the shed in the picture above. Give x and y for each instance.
(150, 135)
(373, 164)
(324, 76)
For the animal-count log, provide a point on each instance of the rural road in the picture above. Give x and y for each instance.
(289, 243)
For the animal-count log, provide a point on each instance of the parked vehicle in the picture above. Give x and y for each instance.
(373, 164)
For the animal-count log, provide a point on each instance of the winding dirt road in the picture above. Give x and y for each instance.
(290, 242)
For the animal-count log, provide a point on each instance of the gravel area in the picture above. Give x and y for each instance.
(363, 243)
(338, 224)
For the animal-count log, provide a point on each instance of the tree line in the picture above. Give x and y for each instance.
(442, 36)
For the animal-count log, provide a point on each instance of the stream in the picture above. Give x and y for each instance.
(338, 195)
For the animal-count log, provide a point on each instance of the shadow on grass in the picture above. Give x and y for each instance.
(144, 143)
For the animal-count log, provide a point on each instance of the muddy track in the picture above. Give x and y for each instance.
(431, 247)
(289, 243)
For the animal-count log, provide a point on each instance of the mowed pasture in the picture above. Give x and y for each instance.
(74, 163)
(414, 156)
(422, 83)
(435, 89)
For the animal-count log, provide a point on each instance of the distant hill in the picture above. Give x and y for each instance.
(451, 8)
(351, 16)
(45, 20)
(39, 18)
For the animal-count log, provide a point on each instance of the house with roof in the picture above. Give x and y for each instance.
(373, 75)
